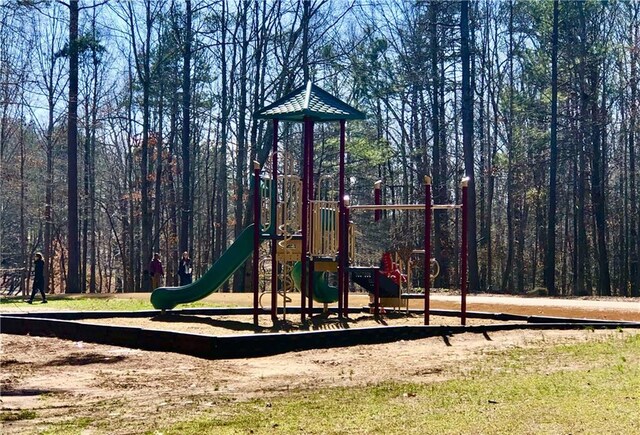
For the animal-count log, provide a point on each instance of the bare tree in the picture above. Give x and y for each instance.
(467, 144)
(187, 204)
(550, 259)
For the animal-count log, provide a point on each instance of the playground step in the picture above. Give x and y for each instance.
(325, 265)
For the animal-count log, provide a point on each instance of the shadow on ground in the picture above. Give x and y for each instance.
(83, 359)
(218, 323)
(24, 392)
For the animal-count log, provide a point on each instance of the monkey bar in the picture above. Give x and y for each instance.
(427, 207)
(405, 207)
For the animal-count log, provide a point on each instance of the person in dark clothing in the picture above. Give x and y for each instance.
(38, 279)
(184, 269)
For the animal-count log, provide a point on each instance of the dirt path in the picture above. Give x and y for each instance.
(594, 308)
(605, 309)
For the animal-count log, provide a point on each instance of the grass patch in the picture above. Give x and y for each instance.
(89, 303)
(68, 427)
(591, 388)
(23, 414)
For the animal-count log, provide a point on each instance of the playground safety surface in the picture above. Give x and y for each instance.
(219, 333)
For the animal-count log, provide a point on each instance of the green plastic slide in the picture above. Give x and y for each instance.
(166, 298)
(322, 291)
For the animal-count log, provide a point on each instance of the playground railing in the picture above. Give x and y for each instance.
(289, 211)
(324, 231)
(352, 242)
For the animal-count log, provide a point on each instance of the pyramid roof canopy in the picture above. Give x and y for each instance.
(312, 102)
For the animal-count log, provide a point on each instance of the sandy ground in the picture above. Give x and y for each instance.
(119, 389)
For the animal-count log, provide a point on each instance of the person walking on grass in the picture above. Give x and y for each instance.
(155, 269)
(184, 269)
(38, 279)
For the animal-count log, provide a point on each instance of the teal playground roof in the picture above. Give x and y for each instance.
(312, 102)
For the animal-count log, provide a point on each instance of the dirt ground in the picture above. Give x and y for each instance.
(131, 391)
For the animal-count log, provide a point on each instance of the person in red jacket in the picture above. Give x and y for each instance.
(156, 271)
(391, 269)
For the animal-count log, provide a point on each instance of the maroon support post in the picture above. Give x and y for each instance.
(310, 196)
(305, 219)
(256, 238)
(274, 225)
(376, 292)
(463, 252)
(345, 242)
(341, 227)
(377, 199)
(311, 266)
(427, 247)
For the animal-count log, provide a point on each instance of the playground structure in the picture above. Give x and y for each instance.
(302, 251)
(309, 236)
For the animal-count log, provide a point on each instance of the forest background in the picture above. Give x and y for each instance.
(126, 128)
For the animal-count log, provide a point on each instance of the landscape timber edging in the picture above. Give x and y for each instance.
(255, 345)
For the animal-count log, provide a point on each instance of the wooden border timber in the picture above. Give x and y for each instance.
(256, 345)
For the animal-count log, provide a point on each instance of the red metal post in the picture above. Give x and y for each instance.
(377, 199)
(427, 247)
(345, 242)
(256, 238)
(310, 217)
(310, 279)
(305, 218)
(341, 226)
(463, 252)
(274, 226)
(376, 292)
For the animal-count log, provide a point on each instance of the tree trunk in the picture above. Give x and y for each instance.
(48, 206)
(493, 97)
(85, 197)
(634, 241)
(187, 205)
(157, 208)
(92, 166)
(241, 163)
(222, 204)
(582, 242)
(72, 154)
(550, 258)
(305, 40)
(23, 231)
(507, 283)
(173, 208)
(467, 145)
(483, 154)
(145, 79)
(439, 152)
(134, 254)
(597, 188)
